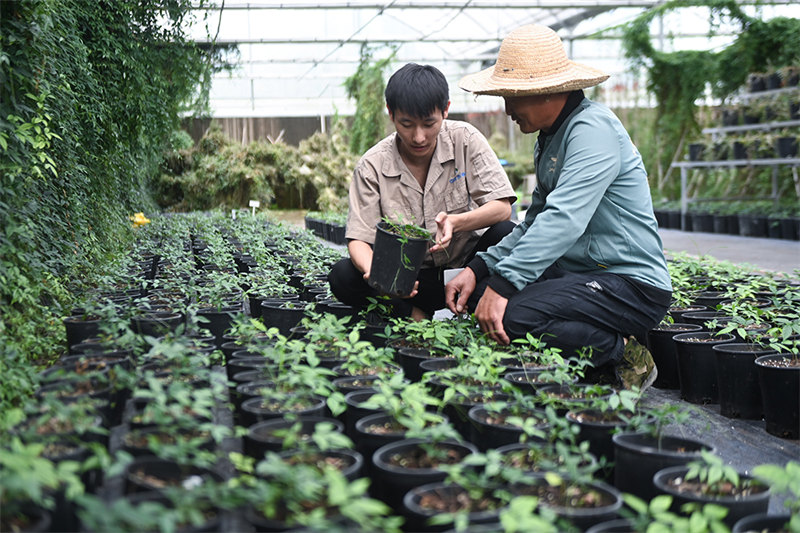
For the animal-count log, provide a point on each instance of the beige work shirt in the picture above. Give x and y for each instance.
(464, 174)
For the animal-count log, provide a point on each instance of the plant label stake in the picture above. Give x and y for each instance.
(254, 204)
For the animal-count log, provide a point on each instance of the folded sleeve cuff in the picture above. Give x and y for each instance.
(502, 286)
(479, 267)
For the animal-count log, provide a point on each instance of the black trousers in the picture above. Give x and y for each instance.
(570, 311)
(348, 286)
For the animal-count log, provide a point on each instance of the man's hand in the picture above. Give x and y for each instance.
(462, 285)
(444, 232)
(489, 313)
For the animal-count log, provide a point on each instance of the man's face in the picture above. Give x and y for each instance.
(531, 113)
(418, 135)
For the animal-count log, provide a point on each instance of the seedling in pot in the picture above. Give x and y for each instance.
(784, 480)
(655, 515)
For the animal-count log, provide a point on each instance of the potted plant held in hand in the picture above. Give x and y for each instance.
(397, 257)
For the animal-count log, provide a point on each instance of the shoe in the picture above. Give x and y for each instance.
(637, 367)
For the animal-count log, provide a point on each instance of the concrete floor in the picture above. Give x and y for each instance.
(774, 255)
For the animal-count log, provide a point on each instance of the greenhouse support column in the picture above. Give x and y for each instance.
(775, 185)
(684, 200)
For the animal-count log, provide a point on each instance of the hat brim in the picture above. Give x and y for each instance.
(577, 76)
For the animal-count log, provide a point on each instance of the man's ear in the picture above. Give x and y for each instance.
(444, 113)
(391, 115)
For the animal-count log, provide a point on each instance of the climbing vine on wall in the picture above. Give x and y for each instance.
(90, 92)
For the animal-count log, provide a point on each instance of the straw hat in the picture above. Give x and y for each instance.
(531, 61)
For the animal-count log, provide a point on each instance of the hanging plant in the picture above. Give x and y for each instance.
(678, 79)
(366, 88)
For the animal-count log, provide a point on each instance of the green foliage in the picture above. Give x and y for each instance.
(89, 93)
(679, 78)
(219, 172)
(366, 87)
(784, 479)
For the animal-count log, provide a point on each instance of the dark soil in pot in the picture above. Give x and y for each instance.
(638, 456)
(148, 473)
(749, 498)
(496, 427)
(422, 503)
(260, 409)
(583, 504)
(269, 435)
(349, 462)
(400, 466)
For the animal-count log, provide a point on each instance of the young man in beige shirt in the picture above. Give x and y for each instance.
(436, 173)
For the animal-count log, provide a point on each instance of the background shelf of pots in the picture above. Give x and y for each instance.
(759, 133)
(172, 386)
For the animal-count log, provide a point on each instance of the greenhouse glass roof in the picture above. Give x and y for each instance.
(295, 56)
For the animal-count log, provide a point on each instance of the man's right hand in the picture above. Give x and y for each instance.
(460, 287)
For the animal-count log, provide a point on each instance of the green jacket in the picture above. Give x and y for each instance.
(591, 209)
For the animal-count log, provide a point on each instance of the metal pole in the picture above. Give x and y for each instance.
(684, 199)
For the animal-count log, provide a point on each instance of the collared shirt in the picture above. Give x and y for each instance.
(591, 209)
(464, 174)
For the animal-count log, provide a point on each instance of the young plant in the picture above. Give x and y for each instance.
(784, 480)
(303, 495)
(655, 516)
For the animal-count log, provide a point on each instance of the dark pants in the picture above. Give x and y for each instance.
(571, 311)
(348, 286)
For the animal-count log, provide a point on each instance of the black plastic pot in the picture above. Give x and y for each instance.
(737, 379)
(697, 365)
(676, 312)
(352, 462)
(606, 506)
(149, 473)
(284, 315)
(396, 261)
(638, 456)
(348, 384)
(662, 347)
(391, 482)
(530, 381)
(763, 523)
(218, 321)
(565, 397)
(261, 437)
(417, 516)
(367, 441)
(598, 429)
(354, 411)
(752, 225)
(786, 146)
(410, 358)
(254, 410)
(488, 433)
(80, 328)
(780, 395)
(156, 324)
(738, 506)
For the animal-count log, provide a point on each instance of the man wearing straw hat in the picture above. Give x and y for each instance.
(436, 173)
(586, 267)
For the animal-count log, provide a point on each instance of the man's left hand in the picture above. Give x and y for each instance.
(489, 313)
(444, 232)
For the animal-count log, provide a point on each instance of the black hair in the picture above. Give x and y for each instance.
(417, 90)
